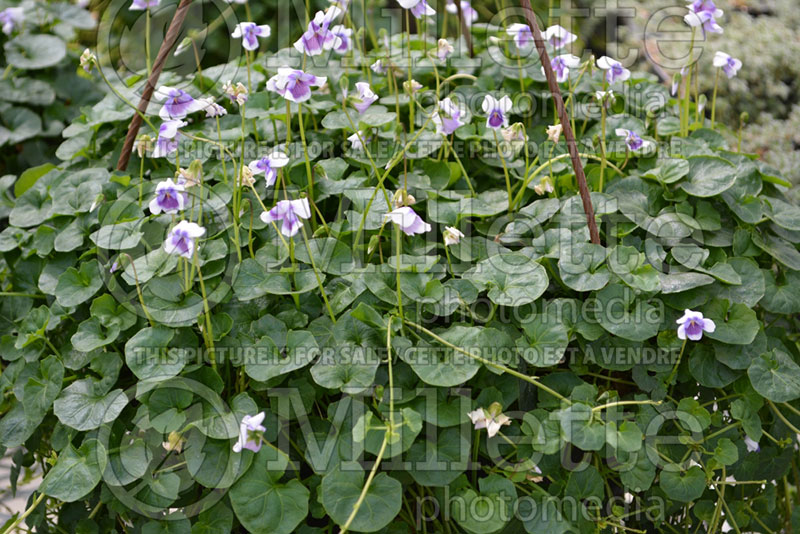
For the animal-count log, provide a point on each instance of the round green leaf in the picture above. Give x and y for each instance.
(709, 176)
(34, 51)
(76, 472)
(341, 488)
(776, 376)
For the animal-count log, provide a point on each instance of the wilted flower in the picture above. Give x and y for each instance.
(378, 67)
(515, 136)
(693, 324)
(358, 139)
(365, 97)
(676, 81)
(87, 60)
(345, 36)
(704, 13)
(290, 212)
(522, 35)
(492, 419)
(114, 267)
(402, 198)
(212, 108)
(167, 141)
(751, 444)
(467, 11)
(730, 65)
(143, 144)
(141, 5)
(177, 103)
(237, 93)
(418, 8)
(632, 139)
(250, 433)
(615, 72)
(558, 37)
(447, 117)
(317, 36)
(443, 49)
(249, 32)
(496, 111)
(554, 132)
(175, 442)
(544, 187)
(246, 177)
(189, 177)
(411, 86)
(11, 18)
(605, 98)
(181, 238)
(452, 235)
(170, 198)
(294, 84)
(269, 165)
(408, 221)
(561, 65)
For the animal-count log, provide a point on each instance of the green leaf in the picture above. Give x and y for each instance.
(487, 511)
(81, 408)
(442, 366)
(622, 314)
(736, 324)
(35, 51)
(512, 279)
(547, 339)
(341, 488)
(76, 472)
(42, 389)
(708, 176)
(147, 357)
(29, 177)
(776, 376)
(685, 486)
(579, 427)
(75, 287)
(265, 505)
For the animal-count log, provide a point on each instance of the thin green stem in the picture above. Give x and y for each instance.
(714, 100)
(209, 329)
(505, 171)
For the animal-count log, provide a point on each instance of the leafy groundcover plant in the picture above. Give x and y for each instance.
(346, 283)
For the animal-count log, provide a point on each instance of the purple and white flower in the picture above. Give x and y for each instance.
(345, 36)
(751, 444)
(249, 32)
(290, 212)
(318, 37)
(615, 72)
(704, 13)
(408, 221)
(418, 8)
(294, 84)
(359, 138)
(467, 11)
(492, 419)
(11, 18)
(632, 139)
(496, 111)
(211, 107)
(730, 65)
(378, 67)
(559, 37)
(605, 98)
(237, 94)
(181, 239)
(693, 324)
(561, 65)
(522, 35)
(447, 117)
(269, 165)
(177, 103)
(250, 433)
(554, 132)
(365, 97)
(452, 235)
(141, 5)
(87, 60)
(167, 141)
(444, 49)
(170, 198)
(676, 81)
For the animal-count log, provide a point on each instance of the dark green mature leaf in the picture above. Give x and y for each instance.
(708, 176)
(776, 376)
(81, 408)
(34, 51)
(77, 286)
(76, 472)
(341, 488)
(684, 486)
(512, 279)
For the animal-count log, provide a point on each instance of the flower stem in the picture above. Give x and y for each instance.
(139, 289)
(677, 363)
(714, 100)
(209, 329)
(399, 238)
(319, 279)
(309, 172)
(147, 42)
(505, 170)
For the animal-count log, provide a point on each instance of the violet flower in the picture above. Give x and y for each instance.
(290, 212)
(170, 198)
(632, 139)
(704, 13)
(141, 5)
(250, 433)
(177, 103)
(181, 239)
(317, 36)
(561, 65)
(467, 11)
(444, 49)
(418, 8)
(496, 111)
(521, 33)
(345, 36)
(751, 444)
(167, 141)
(447, 117)
(249, 32)
(492, 419)
(294, 84)
(615, 72)
(408, 221)
(693, 324)
(365, 97)
(269, 165)
(11, 18)
(730, 65)
(559, 37)
(211, 107)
